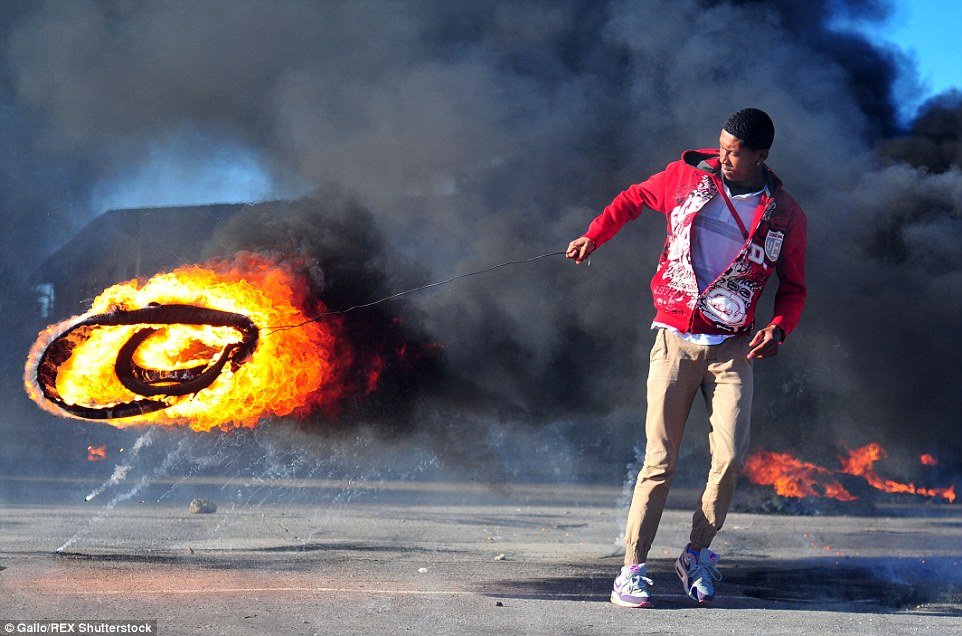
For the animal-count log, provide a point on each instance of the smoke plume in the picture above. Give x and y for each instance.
(443, 137)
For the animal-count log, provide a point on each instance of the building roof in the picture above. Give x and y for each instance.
(123, 244)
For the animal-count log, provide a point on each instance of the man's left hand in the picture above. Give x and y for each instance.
(766, 342)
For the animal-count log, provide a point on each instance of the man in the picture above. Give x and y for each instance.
(731, 225)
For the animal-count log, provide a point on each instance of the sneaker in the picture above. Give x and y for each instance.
(697, 573)
(631, 587)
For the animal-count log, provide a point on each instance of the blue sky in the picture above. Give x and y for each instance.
(929, 31)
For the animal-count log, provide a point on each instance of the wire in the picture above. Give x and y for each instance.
(412, 290)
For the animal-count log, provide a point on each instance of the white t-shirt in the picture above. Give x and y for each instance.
(716, 240)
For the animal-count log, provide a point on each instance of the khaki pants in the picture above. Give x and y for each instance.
(677, 371)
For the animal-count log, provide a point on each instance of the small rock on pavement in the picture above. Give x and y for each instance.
(202, 506)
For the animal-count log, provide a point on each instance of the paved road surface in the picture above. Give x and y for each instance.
(327, 557)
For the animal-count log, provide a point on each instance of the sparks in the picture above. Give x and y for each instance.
(96, 453)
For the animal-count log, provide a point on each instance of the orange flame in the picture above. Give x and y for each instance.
(928, 460)
(96, 453)
(374, 375)
(289, 372)
(791, 477)
(861, 461)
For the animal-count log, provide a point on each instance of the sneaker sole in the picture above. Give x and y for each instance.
(620, 603)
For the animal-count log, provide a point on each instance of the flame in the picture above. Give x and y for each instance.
(289, 372)
(928, 460)
(374, 375)
(96, 453)
(791, 477)
(861, 461)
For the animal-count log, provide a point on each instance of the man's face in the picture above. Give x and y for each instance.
(740, 164)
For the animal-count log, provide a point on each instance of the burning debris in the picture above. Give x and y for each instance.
(795, 481)
(137, 379)
(200, 345)
(860, 463)
(96, 453)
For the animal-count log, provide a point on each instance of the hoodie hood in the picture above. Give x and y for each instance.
(706, 160)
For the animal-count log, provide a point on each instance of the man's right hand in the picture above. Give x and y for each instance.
(580, 249)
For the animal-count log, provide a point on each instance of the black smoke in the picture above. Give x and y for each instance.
(934, 141)
(333, 243)
(470, 134)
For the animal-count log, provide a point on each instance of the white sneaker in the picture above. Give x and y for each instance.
(697, 574)
(631, 587)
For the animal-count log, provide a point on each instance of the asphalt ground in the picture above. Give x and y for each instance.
(329, 557)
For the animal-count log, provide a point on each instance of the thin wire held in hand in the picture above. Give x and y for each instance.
(411, 291)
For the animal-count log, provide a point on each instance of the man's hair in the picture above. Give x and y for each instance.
(753, 127)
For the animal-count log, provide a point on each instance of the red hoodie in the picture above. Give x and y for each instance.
(776, 243)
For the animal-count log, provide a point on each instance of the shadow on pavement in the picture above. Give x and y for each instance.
(851, 584)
